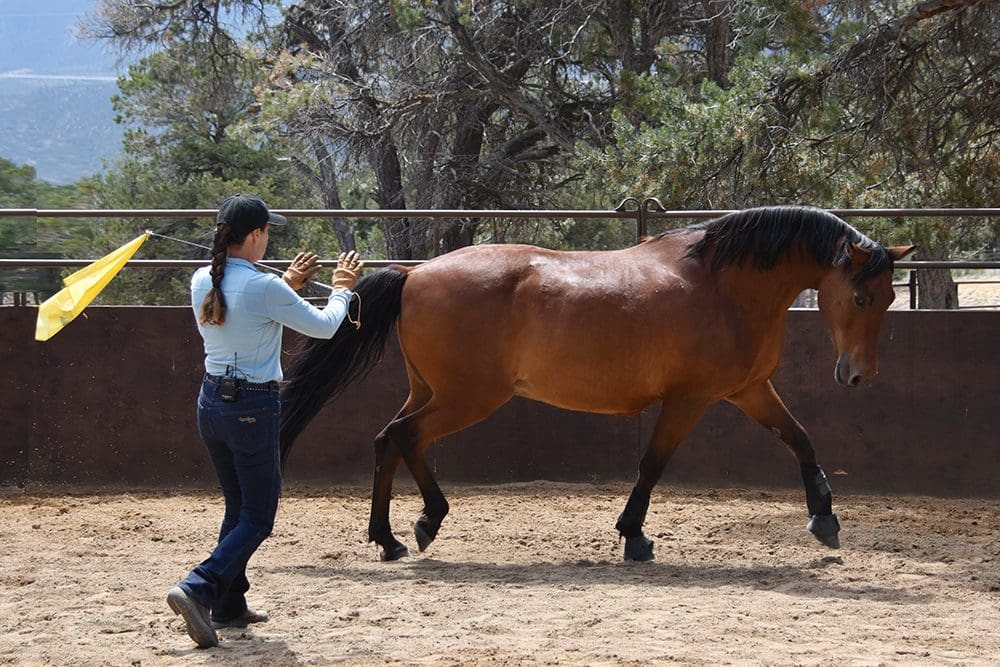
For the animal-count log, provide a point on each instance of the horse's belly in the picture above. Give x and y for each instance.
(599, 399)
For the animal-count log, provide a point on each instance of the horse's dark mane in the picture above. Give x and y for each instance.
(764, 235)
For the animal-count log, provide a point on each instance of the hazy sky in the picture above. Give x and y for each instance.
(38, 41)
(55, 90)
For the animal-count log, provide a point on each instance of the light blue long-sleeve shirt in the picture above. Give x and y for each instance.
(257, 306)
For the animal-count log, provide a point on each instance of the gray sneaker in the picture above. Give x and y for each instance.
(197, 617)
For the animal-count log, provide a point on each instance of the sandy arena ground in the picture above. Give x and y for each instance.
(520, 574)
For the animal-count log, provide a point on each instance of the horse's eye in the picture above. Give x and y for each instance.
(861, 300)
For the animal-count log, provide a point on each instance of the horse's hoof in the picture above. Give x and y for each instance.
(395, 553)
(832, 541)
(639, 548)
(826, 529)
(425, 533)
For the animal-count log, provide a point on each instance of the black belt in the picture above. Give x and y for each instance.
(244, 385)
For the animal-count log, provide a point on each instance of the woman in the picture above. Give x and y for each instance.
(240, 314)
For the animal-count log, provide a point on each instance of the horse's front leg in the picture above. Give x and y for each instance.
(676, 418)
(762, 403)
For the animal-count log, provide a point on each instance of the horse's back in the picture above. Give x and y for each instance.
(521, 284)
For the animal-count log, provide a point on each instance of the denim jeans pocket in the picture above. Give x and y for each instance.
(251, 430)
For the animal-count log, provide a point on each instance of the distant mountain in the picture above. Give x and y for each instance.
(55, 90)
(64, 129)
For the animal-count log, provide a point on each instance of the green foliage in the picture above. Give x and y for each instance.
(18, 189)
(133, 186)
(187, 148)
(30, 237)
(409, 14)
(692, 151)
(835, 143)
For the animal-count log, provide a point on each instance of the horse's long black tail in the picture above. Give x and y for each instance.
(324, 368)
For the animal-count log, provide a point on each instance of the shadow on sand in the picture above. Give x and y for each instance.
(792, 580)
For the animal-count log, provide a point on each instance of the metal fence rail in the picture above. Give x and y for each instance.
(19, 263)
(641, 211)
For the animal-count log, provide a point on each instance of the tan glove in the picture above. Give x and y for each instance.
(304, 266)
(349, 266)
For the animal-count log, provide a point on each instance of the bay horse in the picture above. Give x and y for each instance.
(686, 318)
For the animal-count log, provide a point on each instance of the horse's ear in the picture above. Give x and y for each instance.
(858, 254)
(900, 251)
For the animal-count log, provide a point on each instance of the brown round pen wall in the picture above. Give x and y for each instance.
(110, 400)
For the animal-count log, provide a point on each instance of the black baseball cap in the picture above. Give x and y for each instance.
(245, 213)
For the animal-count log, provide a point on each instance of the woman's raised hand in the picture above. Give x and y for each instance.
(349, 266)
(303, 267)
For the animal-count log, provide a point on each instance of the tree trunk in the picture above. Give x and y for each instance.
(718, 35)
(460, 174)
(388, 173)
(344, 232)
(342, 229)
(424, 231)
(936, 290)
(326, 181)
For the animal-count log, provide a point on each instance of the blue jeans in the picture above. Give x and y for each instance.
(242, 440)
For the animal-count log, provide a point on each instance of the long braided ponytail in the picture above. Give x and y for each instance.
(213, 308)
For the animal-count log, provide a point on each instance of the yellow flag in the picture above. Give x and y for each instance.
(81, 288)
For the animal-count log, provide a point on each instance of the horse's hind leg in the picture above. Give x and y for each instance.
(676, 419)
(387, 460)
(762, 403)
(388, 454)
(439, 417)
(407, 437)
(426, 527)
(414, 453)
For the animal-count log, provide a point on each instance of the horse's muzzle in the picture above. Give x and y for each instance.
(849, 374)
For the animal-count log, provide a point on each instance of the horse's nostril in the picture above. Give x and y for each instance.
(856, 380)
